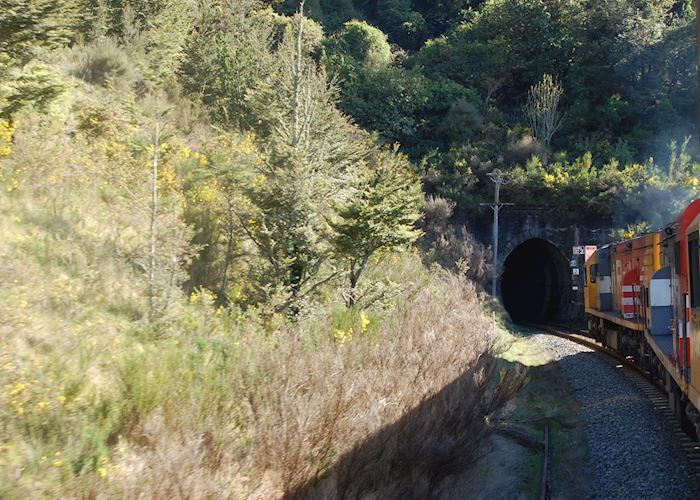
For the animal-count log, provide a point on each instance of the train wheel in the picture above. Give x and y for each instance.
(693, 418)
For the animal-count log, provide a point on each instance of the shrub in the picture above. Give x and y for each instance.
(365, 43)
(454, 247)
(305, 412)
(104, 61)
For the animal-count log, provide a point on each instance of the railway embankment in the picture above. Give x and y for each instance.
(632, 451)
(607, 440)
(511, 465)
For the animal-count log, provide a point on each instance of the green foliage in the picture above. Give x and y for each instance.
(569, 188)
(380, 217)
(163, 41)
(621, 195)
(387, 100)
(331, 13)
(28, 29)
(310, 153)
(213, 183)
(443, 14)
(405, 26)
(230, 51)
(35, 85)
(104, 62)
(364, 43)
(509, 43)
(628, 72)
(27, 26)
(408, 22)
(226, 54)
(405, 107)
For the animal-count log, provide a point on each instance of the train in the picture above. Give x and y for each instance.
(642, 299)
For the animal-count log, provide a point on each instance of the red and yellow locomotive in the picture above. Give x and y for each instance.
(642, 299)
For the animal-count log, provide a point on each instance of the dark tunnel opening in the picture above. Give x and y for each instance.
(535, 282)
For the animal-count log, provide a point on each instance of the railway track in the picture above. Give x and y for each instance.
(653, 390)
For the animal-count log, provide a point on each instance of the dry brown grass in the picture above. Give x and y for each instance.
(454, 247)
(386, 415)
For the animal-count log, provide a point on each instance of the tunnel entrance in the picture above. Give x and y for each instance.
(536, 281)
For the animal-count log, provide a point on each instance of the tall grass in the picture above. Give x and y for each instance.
(298, 412)
(218, 405)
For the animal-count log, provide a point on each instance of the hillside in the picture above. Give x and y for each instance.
(211, 279)
(455, 77)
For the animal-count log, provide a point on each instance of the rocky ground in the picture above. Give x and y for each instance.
(607, 441)
(632, 453)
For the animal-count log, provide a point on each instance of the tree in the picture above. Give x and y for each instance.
(26, 28)
(163, 41)
(153, 215)
(364, 43)
(380, 217)
(227, 53)
(509, 42)
(310, 150)
(442, 14)
(542, 110)
(215, 197)
(29, 25)
(163, 46)
(166, 246)
(404, 25)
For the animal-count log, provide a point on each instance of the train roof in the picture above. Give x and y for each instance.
(688, 215)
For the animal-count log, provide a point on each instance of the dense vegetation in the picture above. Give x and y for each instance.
(214, 283)
(449, 80)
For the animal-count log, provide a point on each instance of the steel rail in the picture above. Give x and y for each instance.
(544, 482)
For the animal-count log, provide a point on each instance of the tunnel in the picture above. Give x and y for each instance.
(535, 282)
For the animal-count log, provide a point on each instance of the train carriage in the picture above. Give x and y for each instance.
(642, 299)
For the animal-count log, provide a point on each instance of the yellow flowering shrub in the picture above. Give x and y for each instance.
(7, 132)
(205, 192)
(342, 336)
(9, 178)
(364, 322)
(168, 180)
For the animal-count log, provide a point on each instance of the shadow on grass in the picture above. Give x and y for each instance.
(440, 437)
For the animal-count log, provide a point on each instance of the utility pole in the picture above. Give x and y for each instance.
(500, 179)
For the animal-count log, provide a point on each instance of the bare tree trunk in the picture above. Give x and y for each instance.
(229, 250)
(355, 279)
(296, 270)
(154, 214)
(296, 102)
(493, 85)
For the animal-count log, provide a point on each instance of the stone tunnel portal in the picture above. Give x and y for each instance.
(536, 281)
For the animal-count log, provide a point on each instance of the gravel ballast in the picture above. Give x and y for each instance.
(632, 453)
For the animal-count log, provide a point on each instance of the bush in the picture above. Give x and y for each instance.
(365, 43)
(305, 411)
(453, 247)
(104, 61)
